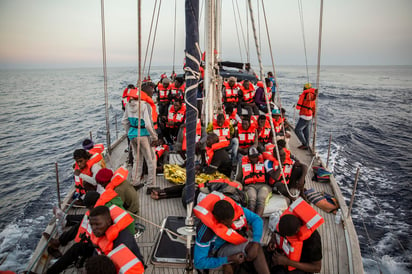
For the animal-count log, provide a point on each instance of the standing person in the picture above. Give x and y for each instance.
(175, 118)
(221, 236)
(148, 135)
(272, 79)
(307, 106)
(163, 88)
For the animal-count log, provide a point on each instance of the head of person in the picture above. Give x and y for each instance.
(231, 81)
(281, 144)
(229, 109)
(211, 139)
(81, 157)
(282, 155)
(289, 225)
(253, 154)
(87, 144)
(223, 212)
(307, 86)
(148, 88)
(131, 86)
(104, 176)
(100, 220)
(178, 81)
(177, 103)
(261, 121)
(247, 66)
(270, 74)
(276, 114)
(245, 122)
(165, 82)
(100, 264)
(246, 84)
(220, 119)
(90, 199)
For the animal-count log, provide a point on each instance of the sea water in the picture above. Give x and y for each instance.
(46, 114)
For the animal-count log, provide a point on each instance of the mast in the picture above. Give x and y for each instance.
(192, 79)
(209, 60)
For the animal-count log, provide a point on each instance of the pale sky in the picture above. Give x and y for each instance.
(67, 33)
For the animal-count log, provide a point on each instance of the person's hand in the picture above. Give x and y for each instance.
(252, 251)
(272, 243)
(237, 258)
(279, 259)
(76, 172)
(154, 143)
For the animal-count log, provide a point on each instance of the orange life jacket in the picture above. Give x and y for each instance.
(160, 150)
(307, 107)
(176, 116)
(163, 93)
(311, 220)
(268, 90)
(119, 176)
(84, 228)
(223, 132)
(248, 94)
(133, 93)
(97, 148)
(253, 173)
(287, 166)
(278, 124)
(121, 220)
(198, 134)
(264, 133)
(203, 211)
(96, 158)
(125, 261)
(125, 99)
(268, 151)
(232, 117)
(107, 195)
(177, 92)
(210, 151)
(246, 137)
(224, 181)
(232, 93)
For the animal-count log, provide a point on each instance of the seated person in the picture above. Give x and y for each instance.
(279, 125)
(252, 175)
(264, 132)
(247, 135)
(175, 118)
(230, 92)
(301, 240)
(247, 98)
(91, 147)
(260, 96)
(293, 171)
(217, 158)
(181, 141)
(119, 183)
(215, 247)
(232, 115)
(102, 218)
(85, 170)
(224, 129)
(162, 153)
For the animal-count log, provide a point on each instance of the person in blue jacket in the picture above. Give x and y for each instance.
(212, 251)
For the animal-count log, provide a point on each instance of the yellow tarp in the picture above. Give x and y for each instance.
(177, 175)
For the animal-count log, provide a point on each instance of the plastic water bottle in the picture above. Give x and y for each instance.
(338, 217)
(273, 220)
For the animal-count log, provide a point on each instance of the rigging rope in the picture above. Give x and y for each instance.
(303, 37)
(174, 45)
(237, 32)
(154, 36)
(243, 33)
(266, 97)
(315, 115)
(150, 35)
(106, 96)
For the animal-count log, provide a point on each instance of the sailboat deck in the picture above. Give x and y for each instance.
(334, 243)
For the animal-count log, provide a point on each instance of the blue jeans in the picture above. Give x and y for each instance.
(233, 148)
(302, 130)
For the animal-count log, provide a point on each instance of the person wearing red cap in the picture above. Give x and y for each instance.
(121, 186)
